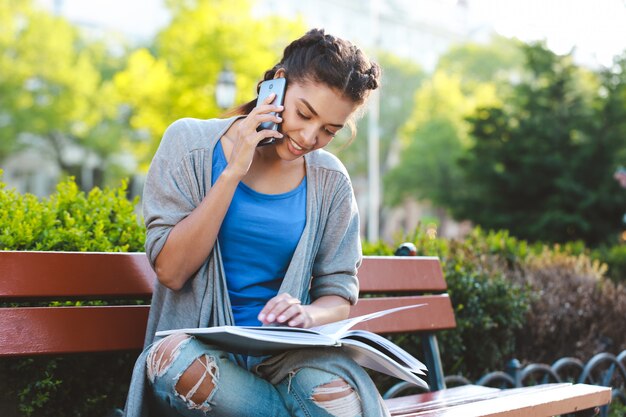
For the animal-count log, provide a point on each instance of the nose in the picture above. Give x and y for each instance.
(308, 136)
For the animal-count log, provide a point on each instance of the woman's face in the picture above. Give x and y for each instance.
(313, 115)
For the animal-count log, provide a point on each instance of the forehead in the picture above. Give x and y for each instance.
(331, 106)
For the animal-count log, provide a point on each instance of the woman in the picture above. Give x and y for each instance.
(248, 235)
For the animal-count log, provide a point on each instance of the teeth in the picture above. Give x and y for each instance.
(295, 145)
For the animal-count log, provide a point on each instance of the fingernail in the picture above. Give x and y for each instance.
(271, 318)
(282, 318)
(261, 317)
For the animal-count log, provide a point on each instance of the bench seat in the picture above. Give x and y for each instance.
(479, 401)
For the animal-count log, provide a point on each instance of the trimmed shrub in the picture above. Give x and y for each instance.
(615, 258)
(577, 311)
(69, 220)
(489, 308)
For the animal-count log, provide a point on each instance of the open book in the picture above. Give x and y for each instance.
(366, 348)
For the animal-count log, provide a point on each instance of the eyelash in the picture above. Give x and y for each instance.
(301, 115)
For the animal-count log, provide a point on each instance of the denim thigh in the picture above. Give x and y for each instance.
(236, 391)
(302, 385)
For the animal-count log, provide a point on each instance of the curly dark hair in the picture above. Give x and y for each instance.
(330, 60)
(320, 57)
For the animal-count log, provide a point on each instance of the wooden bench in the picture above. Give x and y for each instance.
(48, 276)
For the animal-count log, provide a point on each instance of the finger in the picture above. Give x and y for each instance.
(289, 313)
(266, 108)
(298, 320)
(269, 306)
(281, 310)
(268, 117)
(276, 306)
(270, 98)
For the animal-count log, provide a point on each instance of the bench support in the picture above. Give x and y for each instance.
(436, 379)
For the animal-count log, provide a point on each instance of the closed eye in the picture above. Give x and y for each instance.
(302, 115)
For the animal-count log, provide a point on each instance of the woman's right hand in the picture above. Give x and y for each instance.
(247, 138)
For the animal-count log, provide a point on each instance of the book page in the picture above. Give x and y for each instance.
(337, 329)
(366, 356)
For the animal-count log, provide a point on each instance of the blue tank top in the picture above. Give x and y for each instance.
(257, 239)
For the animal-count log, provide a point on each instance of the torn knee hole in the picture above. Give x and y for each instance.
(338, 398)
(197, 382)
(163, 354)
(332, 391)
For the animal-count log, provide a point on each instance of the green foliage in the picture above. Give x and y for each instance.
(577, 311)
(615, 258)
(435, 134)
(489, 308)
(400, 79)
(542, 163)
(96, 383)
(54, 90)
(70, 220)
(511, 299)
(177, 76)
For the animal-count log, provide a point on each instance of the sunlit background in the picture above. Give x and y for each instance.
(90, 86)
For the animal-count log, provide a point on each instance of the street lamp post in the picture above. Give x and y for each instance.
(225, 89)
(373, 139)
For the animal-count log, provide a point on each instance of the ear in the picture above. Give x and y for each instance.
(280, 73)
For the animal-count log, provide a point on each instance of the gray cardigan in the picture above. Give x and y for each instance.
(325, 261)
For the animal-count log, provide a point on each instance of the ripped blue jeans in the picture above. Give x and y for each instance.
(190, 378)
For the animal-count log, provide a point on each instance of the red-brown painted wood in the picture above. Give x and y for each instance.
(391, 273)
(437, 399)
(436, 314)
(37, 275)
(536, 401)
(38, 330)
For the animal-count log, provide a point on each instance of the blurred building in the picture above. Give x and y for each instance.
(419, 30)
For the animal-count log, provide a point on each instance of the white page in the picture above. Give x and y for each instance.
(337, 329)
(365, 356)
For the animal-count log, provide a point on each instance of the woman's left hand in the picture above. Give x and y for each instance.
(287, 310)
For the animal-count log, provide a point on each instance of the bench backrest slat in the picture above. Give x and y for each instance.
(41, 275)
(435, 314)
(390, 274)
(51, 330)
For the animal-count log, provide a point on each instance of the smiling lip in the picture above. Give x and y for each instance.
(296, 149)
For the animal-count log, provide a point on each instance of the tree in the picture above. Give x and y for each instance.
(176, 77)
(436, 134)
(400, 79)
(541, 165)
(52, 89)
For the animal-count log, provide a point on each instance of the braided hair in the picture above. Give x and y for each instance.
(326, 59)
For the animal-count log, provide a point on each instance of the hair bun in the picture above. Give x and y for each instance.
(373, 74)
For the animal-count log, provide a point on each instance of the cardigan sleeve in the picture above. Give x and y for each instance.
(172, 187)
(340, 254)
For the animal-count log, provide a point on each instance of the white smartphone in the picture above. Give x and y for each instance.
(278, 87)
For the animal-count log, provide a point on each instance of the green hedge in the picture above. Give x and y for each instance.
(69, 220)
